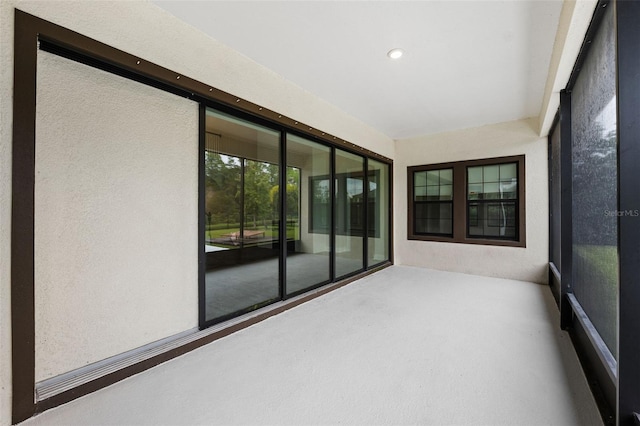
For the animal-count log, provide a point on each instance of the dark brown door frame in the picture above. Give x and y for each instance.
(29, 31)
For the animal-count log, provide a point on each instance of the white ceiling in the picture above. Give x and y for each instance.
(467, 63)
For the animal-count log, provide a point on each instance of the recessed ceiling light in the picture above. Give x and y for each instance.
(395, 53)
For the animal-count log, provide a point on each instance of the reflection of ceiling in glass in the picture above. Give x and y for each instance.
(234, 129)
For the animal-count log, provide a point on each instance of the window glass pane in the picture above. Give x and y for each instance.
(509, 190)
(420, 178)
(508, 172)
(320, 215)
(492, 185)
(433, 177)
(474, 191)
(446, 192)
(433, 192)
(491, 173)
(434, 217)
(420, 193)
(474, 174)
(308, 213)
(242, 213)
(446, 176)
(490, 219)
(378, 211)
(349, 214)
(594, 171)
(473, 215)
(491, 191)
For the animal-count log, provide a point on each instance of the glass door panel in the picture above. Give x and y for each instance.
(378, 213)
(308, 213)
(242, 214)
(349, 202)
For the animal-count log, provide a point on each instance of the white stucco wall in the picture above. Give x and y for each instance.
(116, 215)
(143, 29)
(499, 140)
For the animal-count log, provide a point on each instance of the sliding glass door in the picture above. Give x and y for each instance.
(284, 214)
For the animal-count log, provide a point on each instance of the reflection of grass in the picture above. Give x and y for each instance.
(596, 270)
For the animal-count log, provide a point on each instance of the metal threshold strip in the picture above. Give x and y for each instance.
(67, 381)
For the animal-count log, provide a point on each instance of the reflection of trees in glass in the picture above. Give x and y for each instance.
(222, 182)
(224, 194)
(293, 195)
(259, 178)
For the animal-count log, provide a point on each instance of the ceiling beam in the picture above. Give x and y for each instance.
(572, 27)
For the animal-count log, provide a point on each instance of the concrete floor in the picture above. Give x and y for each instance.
(403, 346)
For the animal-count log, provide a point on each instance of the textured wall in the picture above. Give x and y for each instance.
(513, 138)
(116, 218)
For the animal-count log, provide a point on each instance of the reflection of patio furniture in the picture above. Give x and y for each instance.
(234, 237)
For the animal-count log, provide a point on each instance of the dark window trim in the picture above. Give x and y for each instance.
(29, 31)
(554, 272)
(460, 202)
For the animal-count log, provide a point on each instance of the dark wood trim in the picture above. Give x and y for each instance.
(605, 357)
(391, 218)
(22, 218)
(602, 387)
(202, 223)
(566, 207)
(555, 281)
(409, 198)
(365, 212)
(332, 214)
(28, 31)
(627, 17)
(282, 225)
(112, 57)
(121, 60)
(460, 202)
(554, 273)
